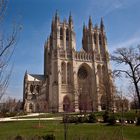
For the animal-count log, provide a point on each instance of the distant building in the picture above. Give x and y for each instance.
(72, 80)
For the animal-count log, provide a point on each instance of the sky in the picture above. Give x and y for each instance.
(121, 19)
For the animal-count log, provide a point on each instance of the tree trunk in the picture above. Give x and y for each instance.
(138, 93)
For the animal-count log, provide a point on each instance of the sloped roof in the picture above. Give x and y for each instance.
(35, 77)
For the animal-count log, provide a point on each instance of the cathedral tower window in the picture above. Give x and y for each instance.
(63, 73)
(100, 39)
(95, 38)
(31, 88)
(67, 35)
(51, 40)
(30, 106)
(61, 33)
(69, 73)
(104, 74)
(66, 104)
(99, 71)
(103, 102)
(33, 96)
(37, 88)
(37, 107)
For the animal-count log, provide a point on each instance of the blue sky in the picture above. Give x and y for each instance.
(121, 19)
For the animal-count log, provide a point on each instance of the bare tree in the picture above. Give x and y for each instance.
(3, 6)
(7, 46)
(121, 102)
(107, 90)
(11, 105)
(131, 58)
(133, 96)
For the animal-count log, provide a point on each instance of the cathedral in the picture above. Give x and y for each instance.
(73, 80)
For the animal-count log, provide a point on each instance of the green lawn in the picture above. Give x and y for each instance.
(45, 115)
(130, 115)
(92, 131)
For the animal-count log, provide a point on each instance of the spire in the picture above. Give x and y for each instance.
(56, 16)
(25, 75)
(53, 22)
(70, 19)
(26, 72)
(90, 23)
(102, 24)
(84, 27)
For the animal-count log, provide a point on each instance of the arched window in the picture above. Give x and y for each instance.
(37, 107)
(61, 33)
(63, 72)
(51, 41)
(33, 97)
(100, 39)
(67, 35)
(99, 71)
(31, 88)
(95, 38)
(30, 106)
(69, 73)
(37, 88)
(103, 102)
(104, 73)
(66, 104)
(100, 77)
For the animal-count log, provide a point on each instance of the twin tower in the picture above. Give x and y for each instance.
(72, 80)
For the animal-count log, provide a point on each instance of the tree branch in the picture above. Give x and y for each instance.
(124, 72)
(10, 43)
(135, 68)
(3, 6)
(138, 80)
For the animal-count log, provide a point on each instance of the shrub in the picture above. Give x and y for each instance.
(49, 137)
(92, 118)
(83, 119)
(18, 138)
(36, 137)
(105, 117)
(10, 114)
(112, 120)
(70, 119)
(138, 120)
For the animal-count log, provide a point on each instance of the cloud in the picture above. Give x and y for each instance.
(130, 42)
(126, 43)
(105, 7)
(114, 5)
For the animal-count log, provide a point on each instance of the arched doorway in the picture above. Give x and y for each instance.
(85, 88)
(37, 107)
(66, 104)
(30, 107)
(103, 102)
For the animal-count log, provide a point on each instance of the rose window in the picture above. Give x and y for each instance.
(82, 73)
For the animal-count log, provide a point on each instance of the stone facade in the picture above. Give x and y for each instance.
(73, 80)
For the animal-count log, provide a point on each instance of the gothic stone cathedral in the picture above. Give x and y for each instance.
(73, 80)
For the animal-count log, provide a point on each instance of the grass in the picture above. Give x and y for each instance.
(126, 115)
(29, 129)
(45, 115)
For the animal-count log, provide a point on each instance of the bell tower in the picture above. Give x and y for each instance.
(62, 33)
(94, 38)
(87, 40)
(58, 51)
